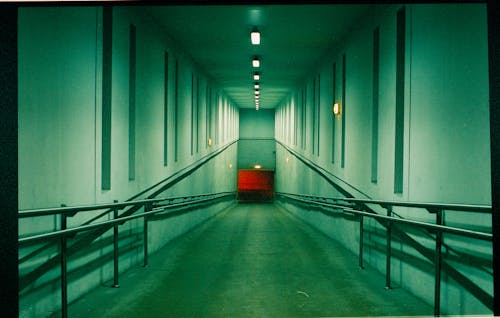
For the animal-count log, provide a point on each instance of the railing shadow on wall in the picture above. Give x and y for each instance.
(398, 227)
(84, 237)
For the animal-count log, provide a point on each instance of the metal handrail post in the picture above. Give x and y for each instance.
(148, 207)
(388, 250)
(437, 265)
(64, 268)
(116, 254)
(361, 242)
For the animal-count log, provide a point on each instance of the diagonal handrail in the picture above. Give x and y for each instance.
(150, 209)
(429, 226)
(431, 207)
(90, 236)
(351, 202)
(433, 256)
(122, 219)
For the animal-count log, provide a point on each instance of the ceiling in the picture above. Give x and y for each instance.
(293, 40)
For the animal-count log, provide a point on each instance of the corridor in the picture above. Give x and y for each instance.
(141, 129)
(252, 260)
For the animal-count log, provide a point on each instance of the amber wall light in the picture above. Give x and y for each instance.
(337, 109)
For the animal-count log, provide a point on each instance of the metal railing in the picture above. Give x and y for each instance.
(151, 207)
(358, 207)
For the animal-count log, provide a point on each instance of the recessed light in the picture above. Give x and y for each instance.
(256, 62)
(255, 37)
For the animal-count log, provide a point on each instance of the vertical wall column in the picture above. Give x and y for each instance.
(400, 100)
(342, 154)
(176, 111)
(131, 103)
(318, 119)
(334, 99)
(165, 111)
(107, 29)
(376, 65)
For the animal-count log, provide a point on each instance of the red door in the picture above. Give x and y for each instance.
(255, 185)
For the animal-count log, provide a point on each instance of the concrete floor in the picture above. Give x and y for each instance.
(251, 261)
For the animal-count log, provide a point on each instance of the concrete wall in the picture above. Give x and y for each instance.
(446, 155)
(256, 144)
(60, 141)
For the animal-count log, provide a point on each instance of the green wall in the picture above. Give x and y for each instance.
(60, 137)
(446, 155)
(256, 144)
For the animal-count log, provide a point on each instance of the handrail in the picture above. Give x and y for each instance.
(432, 207)
(430, 226)
(149, 210)
(146, 196)
(433, 256)
(85, 208)
(121, 220)
(388, 220)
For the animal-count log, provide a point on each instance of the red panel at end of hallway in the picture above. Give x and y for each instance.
(255, 185)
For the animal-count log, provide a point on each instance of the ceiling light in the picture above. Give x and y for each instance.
(256, 62)
(257, 92)
(256, 86)
(255, 36)
(257, 166)
(256, 77)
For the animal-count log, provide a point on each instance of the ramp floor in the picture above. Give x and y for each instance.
(253, 260)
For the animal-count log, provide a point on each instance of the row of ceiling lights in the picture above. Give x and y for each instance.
(255, 39)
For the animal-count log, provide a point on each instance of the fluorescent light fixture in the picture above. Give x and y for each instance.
(255, 37)
(256, 77)
(256, 86)
(255, 62)
(257, 92)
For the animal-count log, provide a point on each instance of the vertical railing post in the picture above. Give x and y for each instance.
(361, 241)
(148, 207)
(437, 265)
(388, 250)
(116, 268)
(64, 268)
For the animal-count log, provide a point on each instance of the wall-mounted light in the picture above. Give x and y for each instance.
(209, 141)
(337, 109)
(255, 37)
(257, 166)
(256, 76)
(256, 62)
(287, 159)
(230, 166)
